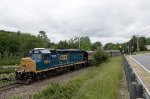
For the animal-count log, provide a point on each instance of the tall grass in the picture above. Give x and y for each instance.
(7, 70)
(13, 60)
(100, 82)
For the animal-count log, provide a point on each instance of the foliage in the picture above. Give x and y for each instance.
(14, 45)
(74, 43)
(142, 43)
(85, 43)
(43, 35)
(11, 60)
(63, 45)
(131, 44)
(100, 56)
(98, 83)
(96, 45)
(6, 79)
(148, 41)
(7, 70)
(109, 46)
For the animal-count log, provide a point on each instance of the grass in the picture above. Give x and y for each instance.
(7, 70)
(8, 64)
(9, 61)
(100, 82)
(6, 79)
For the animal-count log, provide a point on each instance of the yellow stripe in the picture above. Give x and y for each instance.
(61, 66)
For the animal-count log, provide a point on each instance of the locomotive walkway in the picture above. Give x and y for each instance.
(142, 73)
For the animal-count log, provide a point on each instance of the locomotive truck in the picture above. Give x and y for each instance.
(44, 63)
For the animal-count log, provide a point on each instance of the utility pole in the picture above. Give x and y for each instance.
(128, 49)
(79, 43)
(137, 41)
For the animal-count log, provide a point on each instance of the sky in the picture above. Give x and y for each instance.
(106, 21)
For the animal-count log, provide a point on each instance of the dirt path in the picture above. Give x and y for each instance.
(25, 91)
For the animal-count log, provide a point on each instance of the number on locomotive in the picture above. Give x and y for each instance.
(63, 57)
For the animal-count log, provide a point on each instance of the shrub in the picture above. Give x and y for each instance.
(100, 56)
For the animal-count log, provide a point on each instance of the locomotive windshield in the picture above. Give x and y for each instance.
(37, 56)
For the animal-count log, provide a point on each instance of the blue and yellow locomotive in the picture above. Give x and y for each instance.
(43, 63)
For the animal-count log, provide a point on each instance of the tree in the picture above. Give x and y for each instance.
(141, 40)
(43, 35)
(100, 56)
(63, 45)
(96, 46)
(142, 43)
(3, 43)
(74, 43)
(13, 47)
(109, 46)
(148, 41)
(85, 43)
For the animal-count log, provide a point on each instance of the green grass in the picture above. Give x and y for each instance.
(10, 61)
(7, 70)
(100, 82)
(7, 79)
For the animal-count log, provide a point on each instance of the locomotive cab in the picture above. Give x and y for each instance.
(42, 58)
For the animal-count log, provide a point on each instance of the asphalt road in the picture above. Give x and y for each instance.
(143, 59)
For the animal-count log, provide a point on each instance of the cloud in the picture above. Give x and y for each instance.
(102, 20)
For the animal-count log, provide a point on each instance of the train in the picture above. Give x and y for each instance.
(113, 52)
(45, 62)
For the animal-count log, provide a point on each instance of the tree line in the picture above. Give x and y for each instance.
(130, 45)
(19, 44)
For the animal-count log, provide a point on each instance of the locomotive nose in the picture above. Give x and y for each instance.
(28, 64)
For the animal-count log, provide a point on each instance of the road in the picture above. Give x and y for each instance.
(143, 59)
(140, 65)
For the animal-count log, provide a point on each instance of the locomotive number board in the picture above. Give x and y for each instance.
(63, 57)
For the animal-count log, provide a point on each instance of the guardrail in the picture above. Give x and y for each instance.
(136, 87)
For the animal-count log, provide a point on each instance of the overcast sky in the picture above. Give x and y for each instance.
(101, 20)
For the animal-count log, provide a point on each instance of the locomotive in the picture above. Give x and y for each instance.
(44, 63)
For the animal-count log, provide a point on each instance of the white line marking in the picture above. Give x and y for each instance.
(139, 64)
(144, 86)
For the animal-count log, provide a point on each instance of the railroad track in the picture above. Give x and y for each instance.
(17, 85)
(7, 87)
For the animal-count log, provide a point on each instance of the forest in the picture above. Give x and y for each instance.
(15, 45)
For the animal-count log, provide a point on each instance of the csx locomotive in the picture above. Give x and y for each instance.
(43, 63)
